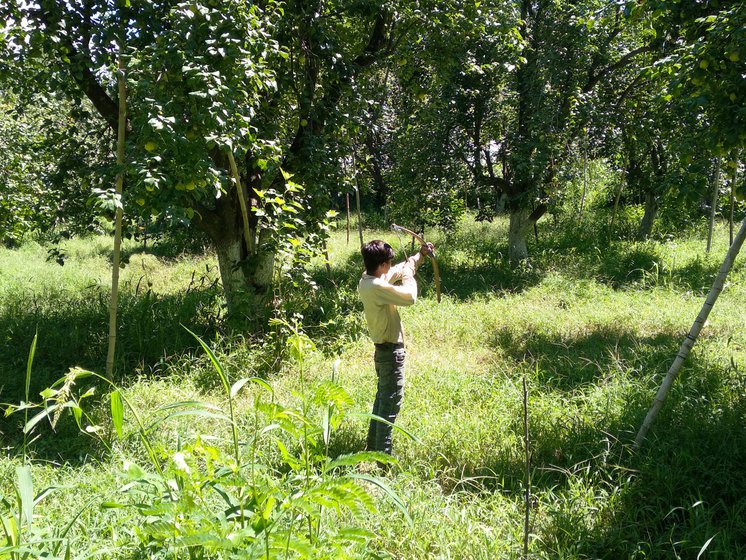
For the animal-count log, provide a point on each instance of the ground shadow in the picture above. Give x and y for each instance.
(689, 486)
(685, 485)
(567, 363)
(72, 331)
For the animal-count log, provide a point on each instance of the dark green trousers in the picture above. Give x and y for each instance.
(389, 359)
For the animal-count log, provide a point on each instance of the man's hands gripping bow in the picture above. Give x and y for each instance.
(426, 248)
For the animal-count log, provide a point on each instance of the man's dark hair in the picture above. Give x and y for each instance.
(376, 253)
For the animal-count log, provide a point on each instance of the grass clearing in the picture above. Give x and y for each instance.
(593, 325)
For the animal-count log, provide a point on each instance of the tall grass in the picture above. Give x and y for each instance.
(592, 322)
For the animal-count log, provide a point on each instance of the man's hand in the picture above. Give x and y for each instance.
(427, 249)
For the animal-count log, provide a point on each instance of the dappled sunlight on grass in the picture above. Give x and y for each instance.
(592, 327)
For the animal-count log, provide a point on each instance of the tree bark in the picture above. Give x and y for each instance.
(733, 182)
(522, 221)
(241, 269)
(714, 205)
(652, 205)
(691, 338)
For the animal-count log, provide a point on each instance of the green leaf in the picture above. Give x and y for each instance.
(10, 527)
(117, 412)
(238, 385)
(78, 415)
(356, 534)
(26, 493)
(214, 360)
(39, 417)
(134, 471)
(704, 547)
(299, 345)
(49, 393)
(29, 363)
(44, 493)
(389, 492)
(112, 505)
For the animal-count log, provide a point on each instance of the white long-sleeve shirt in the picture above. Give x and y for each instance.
(380, 298)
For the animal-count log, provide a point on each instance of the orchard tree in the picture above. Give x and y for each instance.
(510, 87)
(210, 82)
(683, 111)
(705, 44)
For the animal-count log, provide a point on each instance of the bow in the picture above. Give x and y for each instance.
(431, 254)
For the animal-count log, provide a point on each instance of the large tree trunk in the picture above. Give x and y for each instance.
(652, 205)
(518, 232)
(241, 271)
(522, 222)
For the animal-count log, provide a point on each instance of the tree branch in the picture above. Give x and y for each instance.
(80, 66)
(627, 59)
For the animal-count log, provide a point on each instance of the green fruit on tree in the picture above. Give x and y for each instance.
(151, 146)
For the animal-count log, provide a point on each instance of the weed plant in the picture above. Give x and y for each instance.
(592, 322)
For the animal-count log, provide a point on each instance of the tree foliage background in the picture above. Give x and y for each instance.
(432, 108)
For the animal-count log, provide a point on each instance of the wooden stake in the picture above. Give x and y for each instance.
(242, 200)
(616, 205)
(348, 217)
(585, 174)
(691, 338)
(114, 301)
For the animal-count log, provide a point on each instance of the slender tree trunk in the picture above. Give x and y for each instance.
(347, 196)
(114, 302)
(585, 176)
(691, 338)
(616, 205)
(714, 204)
(359, 215)
(357, 199)
(527, 465)
(652, 206)
(733, 183)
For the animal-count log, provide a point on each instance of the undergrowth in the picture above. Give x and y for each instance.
(592, 322)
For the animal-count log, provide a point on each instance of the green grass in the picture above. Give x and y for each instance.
(593, 323)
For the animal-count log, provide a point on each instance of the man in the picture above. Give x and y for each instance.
(380, 298)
